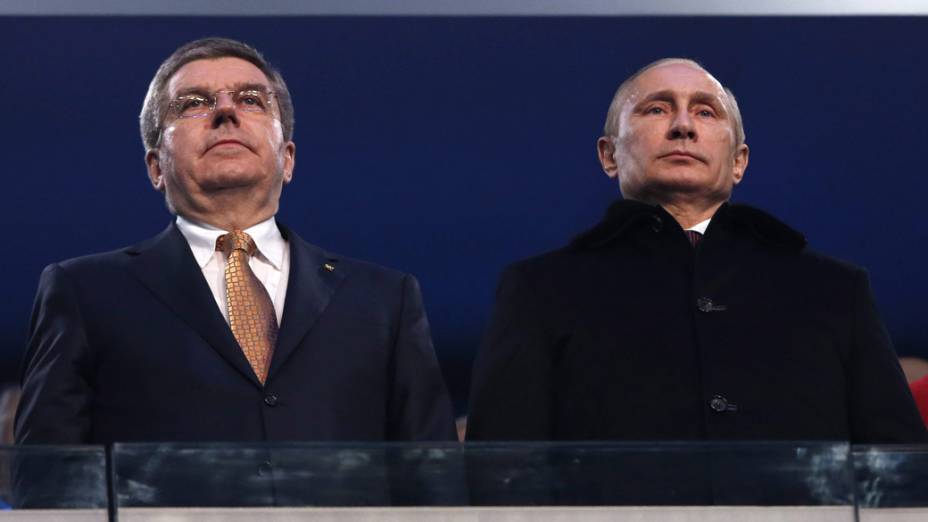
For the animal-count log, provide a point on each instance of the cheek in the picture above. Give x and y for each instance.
(277, 129)
(645, 136)
(274, 136)
(167, 137)
(273, 139)
(178, 144)
(721, 138)
(635, 149)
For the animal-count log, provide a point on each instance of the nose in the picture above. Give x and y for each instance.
(681, 127)
(224, 112)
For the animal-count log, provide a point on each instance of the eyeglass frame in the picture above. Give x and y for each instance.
(212, 100)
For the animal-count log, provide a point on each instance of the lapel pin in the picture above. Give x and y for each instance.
(328, 267)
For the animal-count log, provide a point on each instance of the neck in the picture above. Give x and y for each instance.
(229, 209)
(687, 210)
(227, 222)
(229, 215)
(689, 216)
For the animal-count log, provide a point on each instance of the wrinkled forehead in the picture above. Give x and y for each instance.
(216, 74)
(682, 79)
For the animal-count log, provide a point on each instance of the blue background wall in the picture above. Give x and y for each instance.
(448, 147)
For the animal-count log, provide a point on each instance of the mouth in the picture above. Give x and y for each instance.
(682, 155)
(226, 143)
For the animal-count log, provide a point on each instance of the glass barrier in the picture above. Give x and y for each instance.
(544, 481)
(485, 481)
(891, 482)
(53, 483)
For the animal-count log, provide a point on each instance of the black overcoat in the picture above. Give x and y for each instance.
(629, 333)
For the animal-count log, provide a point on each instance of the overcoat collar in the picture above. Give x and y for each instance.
(165, 265)
(624, 217)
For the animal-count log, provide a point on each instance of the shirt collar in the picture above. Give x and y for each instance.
(701, 227)
(202, 240)
(270, 243)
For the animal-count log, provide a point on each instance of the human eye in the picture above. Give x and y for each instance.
(705, 112)
(191, 105)
(654, 109)
(252, 100)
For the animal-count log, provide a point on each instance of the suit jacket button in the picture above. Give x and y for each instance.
(704, 304)
(264, 469)
(718, 403)
(270, 399)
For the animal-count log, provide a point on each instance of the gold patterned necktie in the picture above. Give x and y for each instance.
(251, 312)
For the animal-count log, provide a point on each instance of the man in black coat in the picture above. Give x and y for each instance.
(681, 316)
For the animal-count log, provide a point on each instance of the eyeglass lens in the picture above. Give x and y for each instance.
(198, 105)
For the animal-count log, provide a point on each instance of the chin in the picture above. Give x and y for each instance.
(684, 180)
(228, 179)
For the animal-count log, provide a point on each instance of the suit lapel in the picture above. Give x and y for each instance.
(166, 266)
(314, 276)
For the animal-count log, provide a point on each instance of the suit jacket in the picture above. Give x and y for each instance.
(631, 333)
(130, 346)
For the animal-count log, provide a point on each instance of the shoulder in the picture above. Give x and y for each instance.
(370, 273)
(820, 261)
(763, 226)
(108, 262)
(779, 248)
(89, 263)
(778, 237)
(836, 280)
(352, 269)
(92, 267)
(544, 276)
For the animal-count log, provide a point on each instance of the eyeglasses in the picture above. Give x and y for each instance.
(201, 106)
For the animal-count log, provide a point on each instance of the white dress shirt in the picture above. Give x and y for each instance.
(271, 264)
(701, 226)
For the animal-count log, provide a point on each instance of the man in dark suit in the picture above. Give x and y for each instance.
(227, 326)
(681, 316)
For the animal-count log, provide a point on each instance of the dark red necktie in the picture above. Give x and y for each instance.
(693, 236)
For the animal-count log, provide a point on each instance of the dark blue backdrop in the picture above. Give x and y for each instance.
(448, 147)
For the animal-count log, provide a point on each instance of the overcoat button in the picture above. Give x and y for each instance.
(657, 224)
(704, 304)
(718, 403)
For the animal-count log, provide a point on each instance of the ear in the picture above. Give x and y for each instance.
(740, 163)
(605, 150)
(155, 175)
(289, 152)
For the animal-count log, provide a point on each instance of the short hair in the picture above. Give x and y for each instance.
(151, 120)
(611, 127)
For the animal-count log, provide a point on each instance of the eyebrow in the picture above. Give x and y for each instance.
(238, 87)
(697, 97)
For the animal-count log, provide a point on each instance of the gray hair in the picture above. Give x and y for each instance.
(151, 119)
(611, 128)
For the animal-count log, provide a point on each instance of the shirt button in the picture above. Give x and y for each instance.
(718, 403)
(270, 399)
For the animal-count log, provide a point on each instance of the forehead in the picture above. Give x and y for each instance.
(680, 78)
(215, 74)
